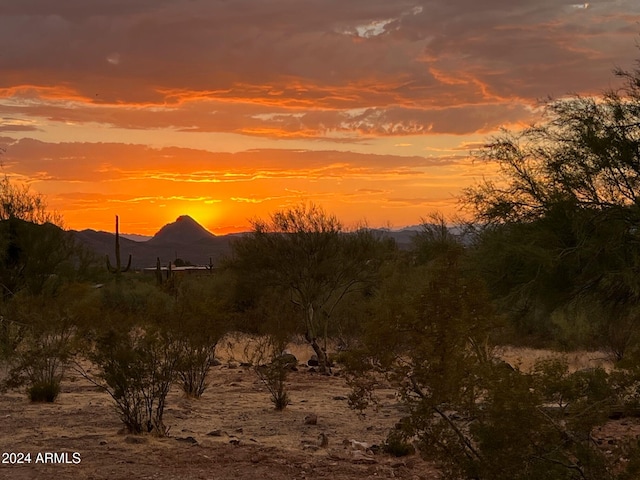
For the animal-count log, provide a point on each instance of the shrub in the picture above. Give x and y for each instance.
(44, 391)
(397, 444)
(195, 363)
(272, 366)
(137, 367)
(39, 346)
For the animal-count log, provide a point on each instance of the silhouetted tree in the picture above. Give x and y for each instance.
(305, 253)
(561, 222)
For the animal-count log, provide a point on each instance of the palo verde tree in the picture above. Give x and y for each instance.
(561, 222)
(306, 254)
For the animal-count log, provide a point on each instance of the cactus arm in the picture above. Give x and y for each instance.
(118, 268)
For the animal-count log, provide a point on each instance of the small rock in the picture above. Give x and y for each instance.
(246, 364)
(311, 419)
(339, 397)
(323, 440)
(234, 440)
(188, 439)
(232, 365)
(215, 433)
(216, 363)
(103, 442)
(288, 360)
(239, 430)
(362, 458)
(313, 361)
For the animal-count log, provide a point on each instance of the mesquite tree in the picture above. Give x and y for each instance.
(305, 252)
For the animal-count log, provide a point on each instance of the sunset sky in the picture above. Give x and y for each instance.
(226, 110)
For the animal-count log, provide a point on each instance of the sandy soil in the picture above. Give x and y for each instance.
(232, 432)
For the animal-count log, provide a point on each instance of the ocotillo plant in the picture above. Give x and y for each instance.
(118, 268)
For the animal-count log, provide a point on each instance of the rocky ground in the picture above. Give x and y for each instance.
(232, 432)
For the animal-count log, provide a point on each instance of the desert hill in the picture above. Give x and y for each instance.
(188, 240)
(185, 239)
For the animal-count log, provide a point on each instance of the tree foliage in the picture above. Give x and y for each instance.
(560, 223)
(470, 413)
(304, 253)
(33, 247)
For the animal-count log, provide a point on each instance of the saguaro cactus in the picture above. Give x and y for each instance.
(158, 271)
(118, 268)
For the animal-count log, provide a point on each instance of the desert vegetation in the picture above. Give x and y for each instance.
(549, 260)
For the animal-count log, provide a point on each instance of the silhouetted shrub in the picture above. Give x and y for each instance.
(44, 391)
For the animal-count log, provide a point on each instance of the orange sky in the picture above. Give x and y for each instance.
(228, 110)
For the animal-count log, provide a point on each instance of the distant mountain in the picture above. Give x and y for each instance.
(184, 231)
(185, 238)
(135, 237)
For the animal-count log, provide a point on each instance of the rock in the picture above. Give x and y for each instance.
(311, 419)
(232, 365)
(339, 397)
(216, 363)
(234, 440)
(313, 361)
(356, 445)
(288, 360)
(188, 439)
(363, 458)
(246, 364)
(323, 440)
(215, 433)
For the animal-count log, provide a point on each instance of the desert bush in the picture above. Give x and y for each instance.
(40, 342)
(470, 413)
(39, 364)
(44, 392)
(136, 368)
(271, 365)
(194, 365)
(11, 334)
(274, 376)
(202, 315)
(397, 444)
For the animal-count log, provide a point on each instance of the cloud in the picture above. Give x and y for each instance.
(196, 65)
(111, 162)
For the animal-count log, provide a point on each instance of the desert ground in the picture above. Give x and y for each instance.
(232, 432)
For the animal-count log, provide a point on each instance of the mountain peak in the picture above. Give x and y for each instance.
(184, 230)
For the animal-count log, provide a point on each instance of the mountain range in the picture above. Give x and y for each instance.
(185, 239)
